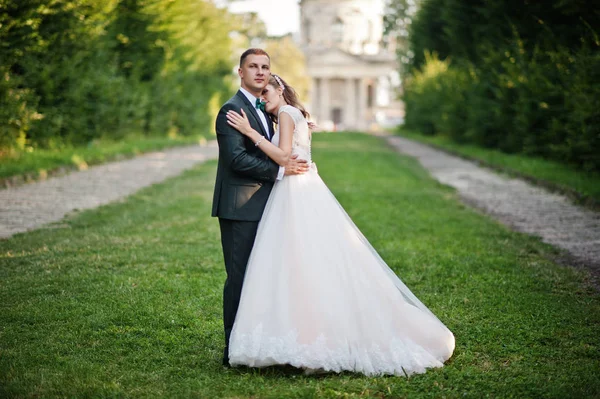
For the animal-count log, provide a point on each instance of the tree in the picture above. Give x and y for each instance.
(517, 76)
(397, 19)
(76, 70)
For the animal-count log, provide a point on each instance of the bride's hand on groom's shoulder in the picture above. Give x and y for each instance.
(239, 121)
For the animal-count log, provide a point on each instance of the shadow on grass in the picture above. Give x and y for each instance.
(289, 371)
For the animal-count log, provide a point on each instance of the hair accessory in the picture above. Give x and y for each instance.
(278, 79)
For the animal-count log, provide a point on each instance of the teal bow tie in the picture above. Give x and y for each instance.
(260, 104)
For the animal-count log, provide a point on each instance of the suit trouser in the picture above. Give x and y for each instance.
(237, 239)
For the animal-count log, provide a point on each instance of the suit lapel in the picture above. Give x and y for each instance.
(252, 108)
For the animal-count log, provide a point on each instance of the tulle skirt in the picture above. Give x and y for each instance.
(316, 294)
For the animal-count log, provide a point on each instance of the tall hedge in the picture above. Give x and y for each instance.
(519, 76)
(76, 70)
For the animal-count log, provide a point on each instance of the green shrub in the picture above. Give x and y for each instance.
(520, 78)
(73, 72)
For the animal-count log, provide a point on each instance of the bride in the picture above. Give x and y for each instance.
(316, 295)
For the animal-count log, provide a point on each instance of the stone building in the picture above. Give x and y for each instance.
(354, 77)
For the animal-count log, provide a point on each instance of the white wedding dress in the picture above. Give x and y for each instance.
(316, 294)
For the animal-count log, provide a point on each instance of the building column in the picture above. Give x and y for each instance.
(324, 105)
(314, 97)
(362, 103)
(375, 106)
(349, 112)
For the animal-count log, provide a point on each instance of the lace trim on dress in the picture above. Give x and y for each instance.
(402, 357)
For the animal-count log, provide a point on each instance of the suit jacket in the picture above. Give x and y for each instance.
(245, 175)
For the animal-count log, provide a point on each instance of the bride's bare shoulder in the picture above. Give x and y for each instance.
(287, 108)
(293, 111)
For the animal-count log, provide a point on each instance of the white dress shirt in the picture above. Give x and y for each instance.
(261, 115)
(263, 119)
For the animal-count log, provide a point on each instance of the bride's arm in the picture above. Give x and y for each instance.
(281, 154)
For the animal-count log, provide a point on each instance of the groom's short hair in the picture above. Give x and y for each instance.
(254, 51)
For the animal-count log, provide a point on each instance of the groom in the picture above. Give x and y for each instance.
(245, 177)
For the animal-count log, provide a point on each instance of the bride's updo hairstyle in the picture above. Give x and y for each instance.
(289, 95)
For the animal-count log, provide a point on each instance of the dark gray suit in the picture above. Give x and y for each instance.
(245, 177)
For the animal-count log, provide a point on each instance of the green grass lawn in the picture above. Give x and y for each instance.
(583, 187)
(38, 163)
(125, 300)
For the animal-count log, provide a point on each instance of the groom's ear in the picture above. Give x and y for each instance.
(240, 72)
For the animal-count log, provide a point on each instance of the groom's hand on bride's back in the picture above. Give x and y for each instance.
(296, 166)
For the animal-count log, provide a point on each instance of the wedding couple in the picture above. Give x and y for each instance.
(304, 287)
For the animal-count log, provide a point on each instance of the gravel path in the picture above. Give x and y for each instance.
(514, 202)
(33, 205)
